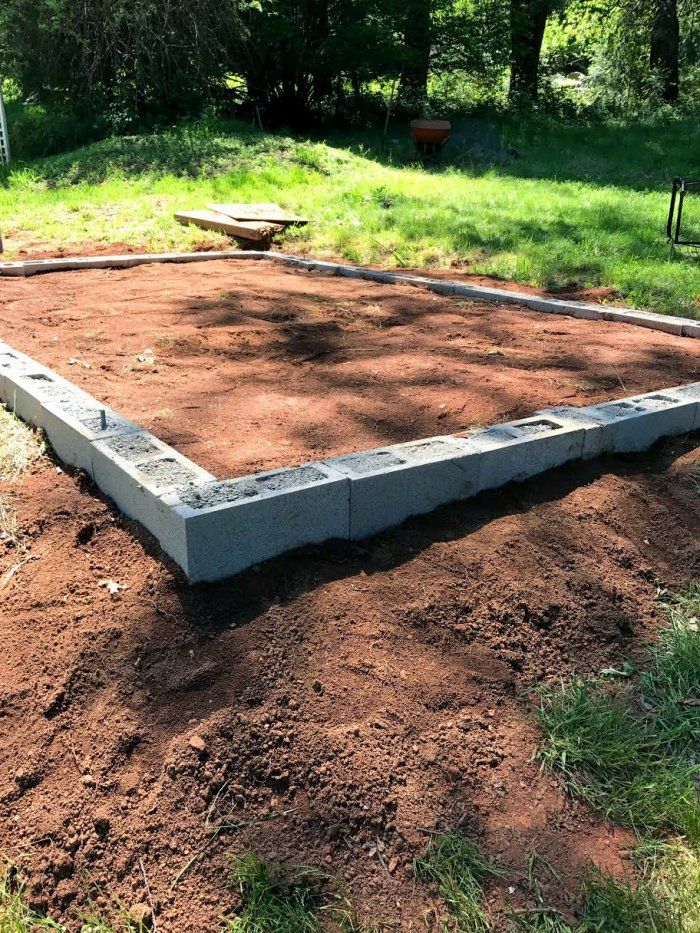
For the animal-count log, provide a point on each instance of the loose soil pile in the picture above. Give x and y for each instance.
(255, 366)
(363, 696)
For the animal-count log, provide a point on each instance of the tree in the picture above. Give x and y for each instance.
(528, 19)
(416, 65)
(665, 46)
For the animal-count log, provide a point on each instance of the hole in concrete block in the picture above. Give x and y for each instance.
(533, 428)
(617, 409)
(490, 438)
(219, 493)
(40, 377)
(429, 450)
(132, 447)
(689, 391)
(371, 462)
(289, 479)
(656, 402)
(167, 472)
(91, 418)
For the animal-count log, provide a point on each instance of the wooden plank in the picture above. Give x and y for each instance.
(212, 220)
(272, 213)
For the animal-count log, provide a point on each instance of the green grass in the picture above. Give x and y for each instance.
(16, 916)
(630, 752)
(456, 866)
(664, 897)
(20, 448)
(273, 901)
(578, 206)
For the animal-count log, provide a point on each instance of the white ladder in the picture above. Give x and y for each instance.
(4, 138)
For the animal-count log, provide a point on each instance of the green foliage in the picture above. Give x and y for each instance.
(274, 902)
(631, 755)
(16, 916)
(457, 867)
(578, 206)
(123, 65)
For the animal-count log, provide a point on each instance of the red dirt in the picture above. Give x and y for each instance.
(377, 692)
(372, 693)
(257, 366)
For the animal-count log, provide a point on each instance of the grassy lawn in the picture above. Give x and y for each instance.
(565, 205)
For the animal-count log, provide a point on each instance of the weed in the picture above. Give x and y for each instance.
(629, 750)
(274, 902)
(664, 898)
(456, 866)
(20, 448)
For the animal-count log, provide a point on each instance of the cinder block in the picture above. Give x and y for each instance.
(634, 424)
(689, 392)
(389, 484)
(580, 418)
(73, 425)
(517, 450)
(661, 322)
(28, 388)
(221, 528)
(136, 469)
(691, 329)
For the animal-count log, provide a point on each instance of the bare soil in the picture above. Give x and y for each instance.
(257, 366)
(339, 705)
(362, 697)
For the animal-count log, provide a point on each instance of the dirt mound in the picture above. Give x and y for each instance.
(336, 707)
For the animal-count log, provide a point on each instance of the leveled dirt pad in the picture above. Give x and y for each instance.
(245, 367)
(358, 697)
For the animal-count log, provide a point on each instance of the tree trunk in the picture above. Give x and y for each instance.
(417, 38)
(528, 19)
(665, 40)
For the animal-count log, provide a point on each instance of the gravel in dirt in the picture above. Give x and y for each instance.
(341, 704)
(245, 366)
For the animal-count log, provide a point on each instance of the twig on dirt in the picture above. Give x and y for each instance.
(214, 836)
(148, 896)
(387, 249)
(381, 860)
(75, 757)
(619, 377)
(6, 578)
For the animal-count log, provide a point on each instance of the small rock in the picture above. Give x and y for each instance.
(140, 914)
(88, 780)
(198, 744)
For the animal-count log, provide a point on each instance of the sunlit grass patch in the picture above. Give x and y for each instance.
(275, 901)
(456, 866)
(631, 752)
(20, 447)
(569, 211)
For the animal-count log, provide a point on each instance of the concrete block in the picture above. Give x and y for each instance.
(72, 426)
(689, 392)
(136, 469)
(661, 322)
(517, 450)
(389, 484)
(28, 387)
(220, 528)
(634, 424)
(691, 329)
(582, 418)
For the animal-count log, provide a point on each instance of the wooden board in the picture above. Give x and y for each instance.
(212, 220)
(272, 213)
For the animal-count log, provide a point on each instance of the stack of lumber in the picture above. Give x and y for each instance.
(251, 223)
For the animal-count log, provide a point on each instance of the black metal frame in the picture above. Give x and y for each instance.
(681, 187)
